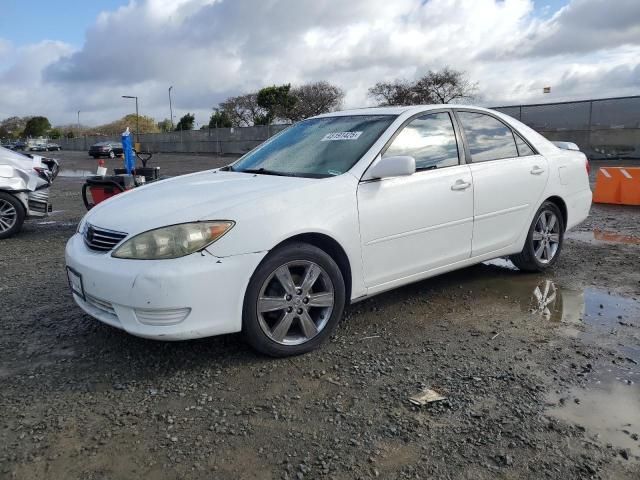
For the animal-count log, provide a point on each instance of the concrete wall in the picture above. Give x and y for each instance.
(232, 141)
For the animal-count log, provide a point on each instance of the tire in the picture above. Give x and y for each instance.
(112, 154)
(291, 308)
(543, 245)
(12, 215)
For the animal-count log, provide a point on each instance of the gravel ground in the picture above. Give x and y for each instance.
(540, 373)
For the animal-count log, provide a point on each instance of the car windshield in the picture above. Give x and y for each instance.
(318, 147)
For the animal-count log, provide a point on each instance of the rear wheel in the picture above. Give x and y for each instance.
(112, 154)
(544, 240)
(12, 215)
(294, 301)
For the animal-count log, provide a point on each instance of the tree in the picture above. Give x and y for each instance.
(220, 119)
(447, 85)
(444, 86)
(146, 124)
(277, 101)
(165, 125)
(69, 134)
(13, 127)
(186, 122)
(243, 110)
(54, 133)
(398, 92)
(314, 99)
(37, 127)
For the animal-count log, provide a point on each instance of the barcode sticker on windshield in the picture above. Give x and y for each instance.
(341, 136)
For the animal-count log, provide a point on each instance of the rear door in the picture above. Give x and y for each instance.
(413, 224)
(509, 178)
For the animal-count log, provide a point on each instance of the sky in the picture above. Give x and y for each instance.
(58, 57)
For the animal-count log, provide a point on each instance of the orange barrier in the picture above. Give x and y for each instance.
(617, 185)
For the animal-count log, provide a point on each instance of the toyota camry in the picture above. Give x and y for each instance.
(332, 210)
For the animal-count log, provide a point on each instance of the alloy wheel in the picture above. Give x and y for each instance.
(546, 236)
(8, 216)
(295, 302)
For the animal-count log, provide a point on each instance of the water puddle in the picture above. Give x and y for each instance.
(68, 173)
(603, 237)
(608, 411)
(608, 407)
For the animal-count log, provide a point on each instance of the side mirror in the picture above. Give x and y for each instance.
(386, 167)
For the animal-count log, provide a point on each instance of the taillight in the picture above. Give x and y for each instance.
(588, 165)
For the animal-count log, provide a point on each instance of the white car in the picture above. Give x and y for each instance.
(334, 209)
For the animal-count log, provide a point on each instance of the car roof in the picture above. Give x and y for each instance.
(399, 110)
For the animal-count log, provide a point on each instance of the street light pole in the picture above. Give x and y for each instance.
(137, 117)
(170, 107)
(78, 121)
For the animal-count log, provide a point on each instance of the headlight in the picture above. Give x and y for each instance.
(82, 225)
(174, 241)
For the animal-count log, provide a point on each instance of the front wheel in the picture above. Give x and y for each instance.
(12, 215)
(112, 154)
(294, 301)
(544, 240)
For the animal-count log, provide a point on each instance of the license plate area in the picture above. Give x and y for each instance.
(75, 282)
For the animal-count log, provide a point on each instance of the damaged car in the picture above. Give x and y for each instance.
(334, 209)
(24, 189)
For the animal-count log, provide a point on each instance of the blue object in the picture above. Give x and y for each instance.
(129, 159)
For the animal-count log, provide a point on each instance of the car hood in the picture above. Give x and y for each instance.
(17, 173)
(200, 196)
(15, 159)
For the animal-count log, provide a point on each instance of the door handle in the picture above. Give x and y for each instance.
(460, 185)
(536, 170)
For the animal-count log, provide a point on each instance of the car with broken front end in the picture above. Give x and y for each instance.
(332, 210)
(24, 189)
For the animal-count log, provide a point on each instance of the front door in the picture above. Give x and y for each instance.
(410, 225)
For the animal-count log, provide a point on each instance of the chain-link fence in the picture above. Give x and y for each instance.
(604, 128)
(221, 141)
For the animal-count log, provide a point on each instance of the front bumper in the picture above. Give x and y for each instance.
(199, 295)
(36, 203)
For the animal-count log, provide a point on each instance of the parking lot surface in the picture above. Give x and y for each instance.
(540, 373)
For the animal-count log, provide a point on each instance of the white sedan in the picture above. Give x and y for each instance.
(334, 209)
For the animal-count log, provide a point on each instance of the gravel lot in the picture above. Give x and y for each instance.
(529, 393)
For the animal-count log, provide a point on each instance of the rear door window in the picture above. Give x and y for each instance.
(487, 137)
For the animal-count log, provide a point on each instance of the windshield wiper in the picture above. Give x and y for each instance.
(264, 171)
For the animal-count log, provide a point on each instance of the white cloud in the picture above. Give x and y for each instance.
(209, 49)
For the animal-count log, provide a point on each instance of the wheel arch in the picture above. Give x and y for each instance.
(332, 248)
(562, 206)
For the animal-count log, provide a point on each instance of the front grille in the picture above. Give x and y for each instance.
(102, 240)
